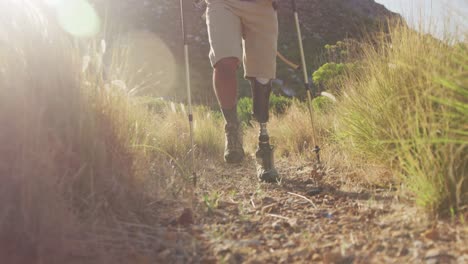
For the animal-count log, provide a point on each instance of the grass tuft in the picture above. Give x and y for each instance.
(406, 107)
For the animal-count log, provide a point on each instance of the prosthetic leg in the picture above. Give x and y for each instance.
(266, 170)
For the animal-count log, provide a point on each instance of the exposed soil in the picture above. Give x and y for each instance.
(310, 217)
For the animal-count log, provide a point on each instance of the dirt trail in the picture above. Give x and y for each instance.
(238, 220)
(242, 221)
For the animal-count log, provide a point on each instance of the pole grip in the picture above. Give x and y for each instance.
(293, 2)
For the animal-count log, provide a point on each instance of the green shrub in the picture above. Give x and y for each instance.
(244, 110)
(322, 104)
(278, 106)
(342, 51)
(329, 75)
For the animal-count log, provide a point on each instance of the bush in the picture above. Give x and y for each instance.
(407, 108)
(244, 110)
(343, 51)
(322, 104)
(278, 106)
(330, 75)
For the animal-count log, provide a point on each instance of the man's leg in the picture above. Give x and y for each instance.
(225, 84)
(225, 33)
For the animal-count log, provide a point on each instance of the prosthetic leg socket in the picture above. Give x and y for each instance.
(261, 100)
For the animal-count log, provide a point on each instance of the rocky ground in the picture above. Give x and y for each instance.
(310, 217)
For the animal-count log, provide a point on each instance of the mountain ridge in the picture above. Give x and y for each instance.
(322, 22)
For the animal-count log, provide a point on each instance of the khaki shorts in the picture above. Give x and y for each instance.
(244, 29)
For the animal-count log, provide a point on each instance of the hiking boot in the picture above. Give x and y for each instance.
(234, 152)
(266, 170)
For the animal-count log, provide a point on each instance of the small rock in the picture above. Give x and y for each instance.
(268, 200)
(303, 253)
(277, 225)
(418, 244)
(233, 258)
(432, 234)
(186, 218)
(164, 254)
(314, 191)
(316, 257)
(279, 236)
(284, 259)
(432, 253)
(249, 243)
(274, 244)
(289, 244)
(404, 252)
(292, 222)
(332, 257)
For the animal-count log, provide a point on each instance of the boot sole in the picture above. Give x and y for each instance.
(234, 158)
(269, 177)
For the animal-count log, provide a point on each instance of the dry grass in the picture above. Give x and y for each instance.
(69, 144)
(403, 108)
(406, 108)
(173, 136)
(291, 133)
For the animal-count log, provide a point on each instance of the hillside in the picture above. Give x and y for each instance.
(323, 22)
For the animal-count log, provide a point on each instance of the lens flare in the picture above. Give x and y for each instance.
(77, 17)
(145, 62)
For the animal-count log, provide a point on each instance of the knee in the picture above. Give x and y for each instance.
(227, 65)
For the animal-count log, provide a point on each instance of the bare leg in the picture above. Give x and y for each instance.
(225, 83)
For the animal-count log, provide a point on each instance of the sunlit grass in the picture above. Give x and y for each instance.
(407, 108)
(69, 142)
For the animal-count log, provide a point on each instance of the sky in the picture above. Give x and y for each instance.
(441, 14)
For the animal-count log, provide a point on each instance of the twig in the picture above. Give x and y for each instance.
(253, 204)
(278, 216)
(305, 198)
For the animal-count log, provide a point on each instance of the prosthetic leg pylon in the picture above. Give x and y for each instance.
(266, 170)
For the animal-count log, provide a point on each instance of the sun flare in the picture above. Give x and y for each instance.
(77, 17)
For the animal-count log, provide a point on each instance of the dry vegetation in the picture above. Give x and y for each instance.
(83, 163)
(71, 160)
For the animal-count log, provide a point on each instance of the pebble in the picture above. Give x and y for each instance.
(289, 244)
(274, 244)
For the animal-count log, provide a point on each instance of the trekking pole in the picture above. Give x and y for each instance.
(306, 80)
(189, 92)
